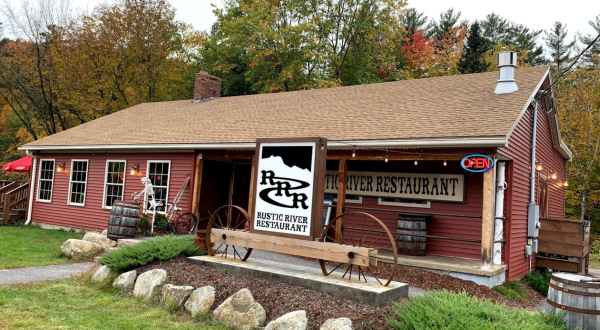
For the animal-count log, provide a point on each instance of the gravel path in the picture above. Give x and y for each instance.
(36, 274)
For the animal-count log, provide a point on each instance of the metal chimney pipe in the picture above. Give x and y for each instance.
(507, 62)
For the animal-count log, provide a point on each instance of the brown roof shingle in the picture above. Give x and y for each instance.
(444, 107)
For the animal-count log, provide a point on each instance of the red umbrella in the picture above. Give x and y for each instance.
(21, 165)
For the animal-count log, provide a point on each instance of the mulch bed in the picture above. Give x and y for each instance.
(279, 298)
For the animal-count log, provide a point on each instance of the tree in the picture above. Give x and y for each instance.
(525, 42)
(443, 28)
(413, 21)
(473, 56)
(560, 51)
(496, 29)
(592, 57)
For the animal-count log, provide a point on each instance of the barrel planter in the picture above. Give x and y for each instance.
(411, 234)
(579, 300)
(123, 220)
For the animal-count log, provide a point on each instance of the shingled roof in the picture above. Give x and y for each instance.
(459, 110)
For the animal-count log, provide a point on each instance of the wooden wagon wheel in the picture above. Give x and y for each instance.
(362, 230)
(228, 217)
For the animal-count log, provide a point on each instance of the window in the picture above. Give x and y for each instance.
(115, 182)
(79, 170)
(46, 180)
(394, 201)
(350, 199)
(159, 175)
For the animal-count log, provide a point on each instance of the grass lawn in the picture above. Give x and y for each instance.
(31, 246)
(594, 261)
(75, 304)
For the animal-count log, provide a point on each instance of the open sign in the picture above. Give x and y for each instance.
(477, 163)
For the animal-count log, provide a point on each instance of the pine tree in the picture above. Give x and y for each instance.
(448, 21)
(414, 21)
(560, 51)
(525, 40)
(592, 56)
(496, 28)
(473, 60)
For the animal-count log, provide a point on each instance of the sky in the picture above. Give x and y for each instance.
(533, 14)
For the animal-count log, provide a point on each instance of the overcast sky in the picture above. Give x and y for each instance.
(533, 14)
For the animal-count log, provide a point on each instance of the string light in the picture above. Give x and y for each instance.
(445, 163)
(322, 144)
(416, 161)
(386, 156)
(353, 153)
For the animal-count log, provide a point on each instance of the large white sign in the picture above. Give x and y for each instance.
(284, 193)
(422, 186)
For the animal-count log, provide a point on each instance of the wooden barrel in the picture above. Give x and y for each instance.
(580, 300)
(408, 227)
(123, 221)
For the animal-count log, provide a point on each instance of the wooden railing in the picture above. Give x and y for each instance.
(15, 199)
(6, 188)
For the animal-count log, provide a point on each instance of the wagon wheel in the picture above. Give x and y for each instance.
(185, 223)
(228, 217)
(362, 230)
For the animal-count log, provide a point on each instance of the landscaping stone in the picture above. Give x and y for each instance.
(342, 323)
(80, 250)
(291, 321)
(201, 300)
(148, 284)
(104, 232)
(179, 294)
(125, 281)
(100, 239)
(241, 311)
(101, 274)
(123, 242)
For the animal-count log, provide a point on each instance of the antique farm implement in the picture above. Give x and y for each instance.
(287, 218)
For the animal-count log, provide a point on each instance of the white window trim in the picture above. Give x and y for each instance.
(37, 197)
(105, 182)
(146, 211)
(351, 201)
(423, 206)
(87, 173)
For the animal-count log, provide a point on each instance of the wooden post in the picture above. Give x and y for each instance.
(6, 211)
(487, 225)
(341, 197)
(197, 186)
(251, 194)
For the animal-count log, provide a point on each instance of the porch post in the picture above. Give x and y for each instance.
(487, 225)
(251, 194)
(197, 185)
(341, 197)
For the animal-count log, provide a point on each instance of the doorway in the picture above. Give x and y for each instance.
(241, 185)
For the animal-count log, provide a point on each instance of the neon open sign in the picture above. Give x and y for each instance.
(477, 163)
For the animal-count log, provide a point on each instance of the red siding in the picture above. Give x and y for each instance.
(518, 180)
(92, 216)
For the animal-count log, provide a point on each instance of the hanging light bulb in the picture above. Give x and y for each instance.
(353, 153)
(386, 156)
(416, 161)
(322, 144)
(445, 162)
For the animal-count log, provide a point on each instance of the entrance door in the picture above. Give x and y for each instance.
(241, 185)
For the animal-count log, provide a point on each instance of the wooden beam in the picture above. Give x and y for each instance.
(251, 194)
(341, 197)
(380, 155)
(310, 249)
(196, 190)
(487, 225)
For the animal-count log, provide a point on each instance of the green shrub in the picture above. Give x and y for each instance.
(539, 281)
(595, 248)
(161, 222)
(445, 310)
(144, 224)
(512, 290)
(143, 253)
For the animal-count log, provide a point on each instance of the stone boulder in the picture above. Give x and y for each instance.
(201, 300)
(178, 294)
(291, 321)
(81, 250)
(101, 240)
(342, 323)
(125, 281)
(148, 284)
(104, 232)
(241, 311)
(101, 274)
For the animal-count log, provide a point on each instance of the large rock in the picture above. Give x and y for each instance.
(125, 281)
(201, 300)
(291, 321)
(101, 240)
(342, 323)
(81, 250)
(101, 274)
(241, 311)
(148, 284)
(178, 294)
(104, 232)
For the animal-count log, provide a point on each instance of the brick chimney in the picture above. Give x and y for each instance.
(206, 87)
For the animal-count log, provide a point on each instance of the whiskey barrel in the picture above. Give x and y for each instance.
(579, 300)
(411, 234)
(123, 220)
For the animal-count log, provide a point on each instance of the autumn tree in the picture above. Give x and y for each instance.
(559, 48)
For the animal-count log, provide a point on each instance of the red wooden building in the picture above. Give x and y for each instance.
(403, 128)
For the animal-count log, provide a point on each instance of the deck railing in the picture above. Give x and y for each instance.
(15, 199)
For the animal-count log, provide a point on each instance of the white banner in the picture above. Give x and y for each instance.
(422, 186)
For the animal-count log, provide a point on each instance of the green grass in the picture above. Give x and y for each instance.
(445, 310)
(76, 304)
(512, 290)
(158, 249)
(32, 246)
(594, 261)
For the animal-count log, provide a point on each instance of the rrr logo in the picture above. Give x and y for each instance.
(281, 187)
